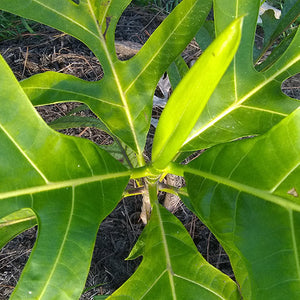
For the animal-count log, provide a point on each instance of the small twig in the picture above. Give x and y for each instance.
(129, 221)
(192, 228)
(83, 131)
(25, 62)
(7, 286)
(91, 67)
(290, 87)
(93, 287)
(149, 23)
(207, 248)
(219, 258)
(59, 108)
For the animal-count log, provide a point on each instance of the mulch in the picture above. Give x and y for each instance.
(48, 49)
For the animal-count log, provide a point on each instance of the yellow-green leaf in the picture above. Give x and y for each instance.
(191, 95)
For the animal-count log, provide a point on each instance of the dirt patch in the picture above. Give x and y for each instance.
(47, 50)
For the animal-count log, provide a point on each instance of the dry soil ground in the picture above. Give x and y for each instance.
(48, 49)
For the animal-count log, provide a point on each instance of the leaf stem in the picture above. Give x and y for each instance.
(176, 169)
(134, 191)
(140, 172)
(140, 159)
(172, 189)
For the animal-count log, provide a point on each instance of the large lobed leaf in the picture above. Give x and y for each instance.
(246, 102)
(70, 185)
(123, 98)
(247, 193)
(172, 267)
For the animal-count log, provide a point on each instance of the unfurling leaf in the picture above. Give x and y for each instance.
(191, 95)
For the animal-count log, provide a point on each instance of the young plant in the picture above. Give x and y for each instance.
(244, 190)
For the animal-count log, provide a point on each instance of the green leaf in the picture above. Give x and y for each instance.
(205, 35)
(190, 97)
(273, 27)
(81, 107)
(177, 71)
(123, 98)
(67, 183)
(172, 267)
(276, 53)
(15, 223)
(122, 153)
(247, 193)
(246, 102)
(117, 149)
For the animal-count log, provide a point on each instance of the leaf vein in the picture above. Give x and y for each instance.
(237, 104)
(54, 266)
(154, 55)
(63, 184)
(295, 247)
(67, 18)
(25, 155)
(199, 284)
(75, 93)
(263, 194)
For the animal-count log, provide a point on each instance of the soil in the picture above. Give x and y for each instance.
(48, 49)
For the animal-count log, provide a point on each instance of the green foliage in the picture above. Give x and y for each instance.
(256, 216)
(172, 131)
(273, 28)
(166, 5)
(164, 249)
(54, 184)
(244, 190)
(276, 3)
(12, 26)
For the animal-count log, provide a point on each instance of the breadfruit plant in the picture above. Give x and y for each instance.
(244, 187)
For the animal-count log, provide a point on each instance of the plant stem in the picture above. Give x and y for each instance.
(152, 190)
(140, 172)
(149, 198)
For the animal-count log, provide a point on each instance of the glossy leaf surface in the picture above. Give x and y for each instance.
(273, 27)
(177, 71)
(65, 181)
(247, 193)
(191, 95)
(246, 102)
(172, 267)
(117, 149)
(15, 223)
(123, 98)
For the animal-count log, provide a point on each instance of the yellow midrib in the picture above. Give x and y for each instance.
(100, 38)
(62, 184)
(237, 104)
(116, 77)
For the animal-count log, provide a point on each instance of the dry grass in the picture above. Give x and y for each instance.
(51, 50)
